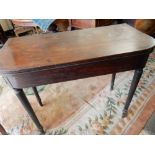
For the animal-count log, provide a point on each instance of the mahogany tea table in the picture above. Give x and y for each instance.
(42, 59)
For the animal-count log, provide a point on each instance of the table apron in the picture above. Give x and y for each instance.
(78, 71)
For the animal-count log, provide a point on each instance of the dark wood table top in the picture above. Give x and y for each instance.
(52, 50)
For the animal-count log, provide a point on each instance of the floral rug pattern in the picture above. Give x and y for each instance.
(107, 107)
(99, 115)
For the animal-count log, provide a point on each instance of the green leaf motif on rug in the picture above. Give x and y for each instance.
(61, 131)
(110, 106)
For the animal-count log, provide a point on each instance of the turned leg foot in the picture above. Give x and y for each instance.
(2, 130)
(134, 83)
(23, 99)
(37, 96)
(112, 81)
(125, 113)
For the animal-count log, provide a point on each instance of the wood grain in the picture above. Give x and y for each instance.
(52, 50)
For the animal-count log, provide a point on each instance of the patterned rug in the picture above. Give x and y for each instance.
(85, 106)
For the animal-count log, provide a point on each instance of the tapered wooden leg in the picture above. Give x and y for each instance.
(2, 130)
(112, 81)
(37, 96)
(134, 83)
(23, 99)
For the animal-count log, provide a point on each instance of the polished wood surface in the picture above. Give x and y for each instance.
(39, 51)
(76, 71)
(50, 58)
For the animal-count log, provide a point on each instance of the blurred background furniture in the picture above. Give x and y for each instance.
(89, 23)
(3, 37)
(24, 25)
(6, 24)
(145, 25)
(61, 24)
(52, 25)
